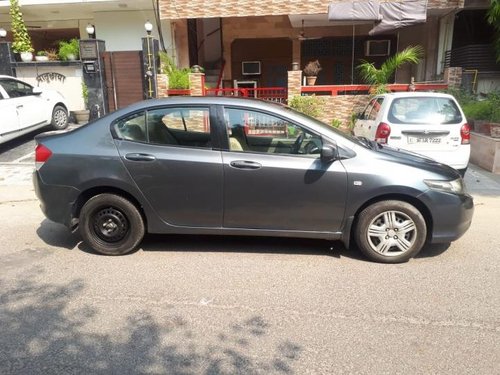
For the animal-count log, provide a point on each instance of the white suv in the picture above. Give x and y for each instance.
(430, 124)
(24, 108)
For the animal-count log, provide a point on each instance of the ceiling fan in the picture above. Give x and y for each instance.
(302, 34)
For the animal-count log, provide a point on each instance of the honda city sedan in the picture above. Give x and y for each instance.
(25, 108)
(234, 166)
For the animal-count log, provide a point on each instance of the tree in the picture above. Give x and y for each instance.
(493, 18)
(379, 78)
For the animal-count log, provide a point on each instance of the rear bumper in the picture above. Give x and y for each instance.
(56, 201)
(451, 215)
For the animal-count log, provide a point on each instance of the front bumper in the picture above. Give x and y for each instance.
(56, 201)
(451, 215)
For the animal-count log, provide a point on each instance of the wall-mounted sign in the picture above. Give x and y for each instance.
(88, 50)
(50, 76)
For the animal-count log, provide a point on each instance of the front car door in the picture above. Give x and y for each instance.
(169, 153)
(31, 108)
(10, 122)
(274, 178)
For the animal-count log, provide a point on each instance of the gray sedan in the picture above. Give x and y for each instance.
(231, 166)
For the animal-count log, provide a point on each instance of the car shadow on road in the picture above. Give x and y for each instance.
(57, 235)
(433, 250)
(46, 326)
(247, 244)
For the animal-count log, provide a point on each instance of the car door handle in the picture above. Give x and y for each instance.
(245, 164)
(140, 157)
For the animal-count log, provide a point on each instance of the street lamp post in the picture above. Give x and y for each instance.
(148, 26)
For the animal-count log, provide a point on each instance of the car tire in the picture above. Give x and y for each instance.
(59, 118)
(379, 227)
(111, 224)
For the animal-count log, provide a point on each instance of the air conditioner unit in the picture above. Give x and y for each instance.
(377, 48)
(250, 68)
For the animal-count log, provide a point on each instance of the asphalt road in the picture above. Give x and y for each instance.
(222, 305)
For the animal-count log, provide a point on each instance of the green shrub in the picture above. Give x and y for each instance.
(177, 78)
(22, 40)
(72, 47)
(336, 123)
(487, 109)
(309, 105)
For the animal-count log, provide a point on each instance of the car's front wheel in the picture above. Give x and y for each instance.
(59, 118)
(111, 224)
(390, 231)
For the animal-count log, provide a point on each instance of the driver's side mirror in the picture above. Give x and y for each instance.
(328, 153)
(37, 91)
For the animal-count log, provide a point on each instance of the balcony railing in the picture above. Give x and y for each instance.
(474, 56)
(365, 89)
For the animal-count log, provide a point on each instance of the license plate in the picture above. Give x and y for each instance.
(424, 140)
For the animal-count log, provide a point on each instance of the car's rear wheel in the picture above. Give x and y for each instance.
(59, 118)
(111, 224)
(390, 231)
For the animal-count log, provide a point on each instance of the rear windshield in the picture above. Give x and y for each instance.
(424, 110)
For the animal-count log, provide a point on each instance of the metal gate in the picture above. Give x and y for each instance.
(124, 78)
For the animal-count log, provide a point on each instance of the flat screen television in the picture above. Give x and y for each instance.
(250, 68)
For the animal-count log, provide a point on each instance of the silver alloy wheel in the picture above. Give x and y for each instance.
(60, 118)
(392, 233)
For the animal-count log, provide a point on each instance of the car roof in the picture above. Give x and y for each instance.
(407, 94)
(206, 100)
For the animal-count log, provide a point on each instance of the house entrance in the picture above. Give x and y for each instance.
(124, 78)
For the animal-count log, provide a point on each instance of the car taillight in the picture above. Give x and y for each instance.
(42, 154)
(382, 133)
(465, 134)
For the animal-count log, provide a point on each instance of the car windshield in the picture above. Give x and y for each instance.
(424, 110)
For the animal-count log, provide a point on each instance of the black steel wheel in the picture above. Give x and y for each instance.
(390, 231)
(111, 224)
(59, 118)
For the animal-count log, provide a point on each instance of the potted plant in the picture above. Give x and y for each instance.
(82, 116)
(42, 56)
(311, 71)
(178, 79)
(69, 50)
(21, 40)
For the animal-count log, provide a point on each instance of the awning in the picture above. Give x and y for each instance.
(354, 11)
(396, 15)
(387, 15)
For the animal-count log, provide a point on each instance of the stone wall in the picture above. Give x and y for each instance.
(342, 107)
(162, 85)
(453, 77)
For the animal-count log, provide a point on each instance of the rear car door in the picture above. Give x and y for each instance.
(168, 152)
(364, 125)
(274, 178)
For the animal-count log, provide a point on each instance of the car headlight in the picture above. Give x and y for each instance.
(455, 186)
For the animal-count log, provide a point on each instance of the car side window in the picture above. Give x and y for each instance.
(377, 104)
(252, 131)
(368, 109)
(132, 128)
(16, 89)
(181, 126)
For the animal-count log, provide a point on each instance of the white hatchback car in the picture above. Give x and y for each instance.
(430, 124)
(24, 108)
